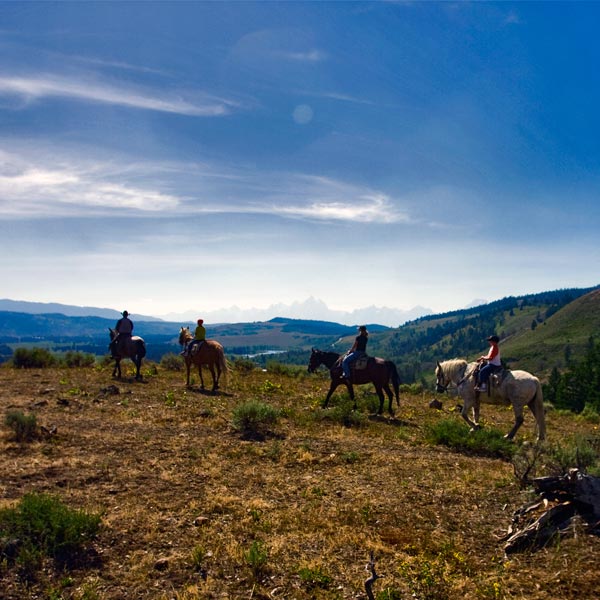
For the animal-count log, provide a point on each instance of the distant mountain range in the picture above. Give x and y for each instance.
(309, 309)
(538, 332)
(41, 308)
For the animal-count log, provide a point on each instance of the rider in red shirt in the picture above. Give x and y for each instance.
(492, 364)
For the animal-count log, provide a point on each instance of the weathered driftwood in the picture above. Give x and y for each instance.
(574, 494)
(373, 578)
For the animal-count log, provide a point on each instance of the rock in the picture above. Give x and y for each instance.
(435, 403)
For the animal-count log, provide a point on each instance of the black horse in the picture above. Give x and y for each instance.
(133, 348)
(378, 371)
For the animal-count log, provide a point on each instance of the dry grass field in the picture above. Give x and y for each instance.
(191, 510)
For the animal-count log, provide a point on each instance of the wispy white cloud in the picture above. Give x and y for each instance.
(46, 184)
(34, 190)
(313, 56)
(37, 87)
(365, 209)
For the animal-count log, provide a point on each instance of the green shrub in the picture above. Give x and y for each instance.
(24, 426)
(172, 362)
(274, 366)
(79, 359)
(256, 557)
(254, 419)
(483, 442)
(344, 414)
(314, 577)
(411, 388)
(579, 453)
(244, 365)
(589, 414)
(45, 527)
(33, 358)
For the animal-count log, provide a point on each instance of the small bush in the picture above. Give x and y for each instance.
(314, 577)
(172, 362)
(24, 426)
(580, 454)
(483, 442)
(45, 527)
(411, 388)
(78, 359)
(244, 365)
(33, 358)
(589, 414)
(345, 415)
(254, 419)
(256, 558)
(274, 366)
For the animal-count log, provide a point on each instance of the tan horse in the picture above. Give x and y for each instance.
(518, 388)
(210, 353)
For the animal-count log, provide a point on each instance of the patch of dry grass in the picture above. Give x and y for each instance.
(184, 499)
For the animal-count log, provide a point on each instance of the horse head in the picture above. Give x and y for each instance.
(315, 360)
(441, 383)
(113, 333)
(184, 336)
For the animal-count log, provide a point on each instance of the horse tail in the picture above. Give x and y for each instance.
(537, 406)
(223, 362)
(395, 379)
(141, 348)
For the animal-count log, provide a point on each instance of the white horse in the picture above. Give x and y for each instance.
(518, 388)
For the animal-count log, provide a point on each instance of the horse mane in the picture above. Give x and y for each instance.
(453, 366)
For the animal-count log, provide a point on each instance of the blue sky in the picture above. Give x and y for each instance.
(166, 157)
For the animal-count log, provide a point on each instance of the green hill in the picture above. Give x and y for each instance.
(566, 334)
(518, 321)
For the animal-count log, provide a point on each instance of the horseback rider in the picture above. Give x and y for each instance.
(358, 350)
(492, 364)
(124, 329)
(199, 338)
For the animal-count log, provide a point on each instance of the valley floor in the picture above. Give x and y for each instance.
(190, 509)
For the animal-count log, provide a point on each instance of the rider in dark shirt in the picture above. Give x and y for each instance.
(359, 349)
(124, 329)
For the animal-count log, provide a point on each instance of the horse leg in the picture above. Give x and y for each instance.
(332, 388)
(201, 378)
(212, 372)
(464, 413)
(390, 396)
(476, 408)
(218, 369)
(518, 410)
(117, 368)
(536, 406)
(138, 365)
(351, 392)
(381, 399)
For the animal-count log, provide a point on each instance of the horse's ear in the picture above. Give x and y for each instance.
(438, 364)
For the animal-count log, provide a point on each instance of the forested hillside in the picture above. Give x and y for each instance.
(417, 346)
(539, 333)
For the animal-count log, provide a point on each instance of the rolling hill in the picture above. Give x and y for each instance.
(538, 332)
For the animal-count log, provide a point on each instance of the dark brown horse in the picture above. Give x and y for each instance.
(379, 372)
(133, 348)
(210, 353)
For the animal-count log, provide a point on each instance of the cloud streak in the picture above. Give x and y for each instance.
(51, 185)
(38, 87)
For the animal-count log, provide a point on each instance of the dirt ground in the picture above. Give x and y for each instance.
(190, 509)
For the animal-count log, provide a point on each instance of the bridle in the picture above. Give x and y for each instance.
(441, 388)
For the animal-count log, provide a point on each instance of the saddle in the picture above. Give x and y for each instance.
(360, 363)
(196, 347)
(495, 380)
